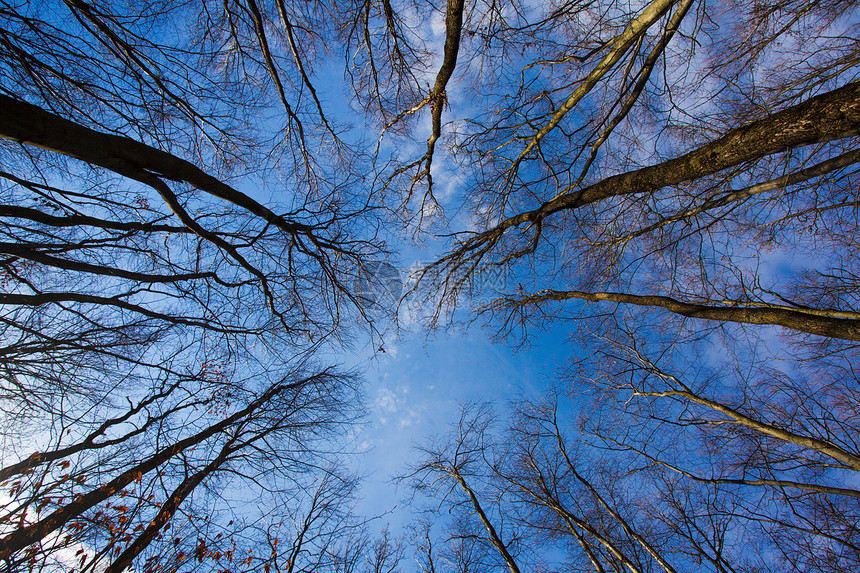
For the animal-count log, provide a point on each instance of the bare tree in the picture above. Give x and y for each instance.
(119, 496)
(677, 181)
(678, 177)
(176, 246)
(772, 452)
(452, 470)
(561, 184)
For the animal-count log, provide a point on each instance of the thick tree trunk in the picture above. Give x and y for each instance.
(491, 531)
(829, 116)
(29, 124)
(812, 321)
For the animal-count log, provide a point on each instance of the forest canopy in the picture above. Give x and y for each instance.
(196, 197)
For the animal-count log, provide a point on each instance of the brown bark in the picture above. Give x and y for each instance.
(776, 483)
(19, 212)
(491, 531)
(638, 26)
(29, 124)
(849, 459)
(437, 96)
(21, 538)
(59, 297)
(800, 176)
(805, 321)
(89, 443)
(829, 116)
(644, 76)
(166, 512)
(27, 251)
(453, 31)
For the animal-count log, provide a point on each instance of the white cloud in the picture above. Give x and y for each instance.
(394, 405)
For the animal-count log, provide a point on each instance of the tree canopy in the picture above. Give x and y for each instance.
(194, 197)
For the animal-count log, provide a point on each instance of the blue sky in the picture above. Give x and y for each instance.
(415, 388)
(414, 381)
